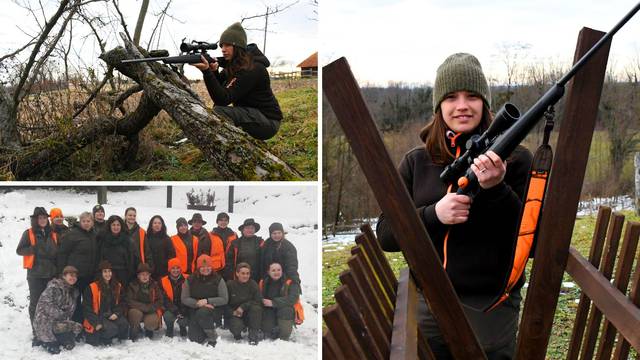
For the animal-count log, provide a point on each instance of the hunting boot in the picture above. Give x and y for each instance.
(253, 337)
(183, 331)
(212, 337)
(67, 340)
(169, 332)
(51, 347)
(148, 333)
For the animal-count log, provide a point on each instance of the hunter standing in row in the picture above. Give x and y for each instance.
(245, 83)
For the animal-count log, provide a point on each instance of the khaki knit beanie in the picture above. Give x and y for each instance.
(235, 36)
(459, 72)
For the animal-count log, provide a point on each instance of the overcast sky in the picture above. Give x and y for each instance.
(293, 38)
(406, 40)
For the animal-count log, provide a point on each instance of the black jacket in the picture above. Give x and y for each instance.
(118, 250)
(162, 250)
(248, 88)
(78, 248)
(282, 252)
(479, 251)
(45, 251)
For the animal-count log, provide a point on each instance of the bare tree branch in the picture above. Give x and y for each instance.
(122, 22)
(141, 16)
(17, 51)
(94, 93)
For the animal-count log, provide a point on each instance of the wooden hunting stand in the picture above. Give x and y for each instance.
(375, 315)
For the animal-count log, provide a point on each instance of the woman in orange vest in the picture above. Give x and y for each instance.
(175, 310)
(474, 239)
(247, 248)
(186, 246)
(279, 296)
(226, 236)
(39, 248)
(57, 222)
(141, 251)
(160, 246)
(103, 309)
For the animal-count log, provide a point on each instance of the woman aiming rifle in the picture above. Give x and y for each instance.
(245, 83)
(475, 237)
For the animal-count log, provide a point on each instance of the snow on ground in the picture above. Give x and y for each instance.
(295, 207)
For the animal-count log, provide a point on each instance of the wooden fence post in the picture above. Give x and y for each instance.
(559, 213)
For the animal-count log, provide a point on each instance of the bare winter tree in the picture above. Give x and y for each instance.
(269, 11)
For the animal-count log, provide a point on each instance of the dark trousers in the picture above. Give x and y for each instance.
(81, 284)
(277, 323)
(36, 287)
(170, 318)
(110, 329)
(250, 120)
(201, 325)
(251, 318)
(496, 330)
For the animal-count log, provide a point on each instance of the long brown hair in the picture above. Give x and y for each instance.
(433, 135)
(241, 60)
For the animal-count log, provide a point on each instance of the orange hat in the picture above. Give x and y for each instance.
(204, 260)
(173, 262)
(55, 212)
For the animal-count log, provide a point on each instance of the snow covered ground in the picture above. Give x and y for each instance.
(294, 206)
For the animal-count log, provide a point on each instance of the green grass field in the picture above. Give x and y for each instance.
(334, 259)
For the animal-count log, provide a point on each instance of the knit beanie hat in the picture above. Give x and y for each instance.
(104, 264)
(97, 208)
(69, 269)
(55, 213)
(222, 215)
(459, 72)
(173, 262)
(234, 35)
(275, 227)
(204, 260)
(181, 221)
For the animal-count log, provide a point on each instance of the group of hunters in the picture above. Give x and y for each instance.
(100, 279)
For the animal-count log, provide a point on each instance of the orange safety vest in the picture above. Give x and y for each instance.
(28, 260)
(141, 234)
(95, 297)
(297, 307)
(166, 285)
(230, 240)
(181, 252)
(217, 252)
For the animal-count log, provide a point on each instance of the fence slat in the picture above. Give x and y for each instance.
(609, 259)
(404, 341)
(622, 348)
(344, 337)
(621, 312)
(561, 201)
(359, 270)
(371, 243)
(377, 284)
(357, 323)
(330, 349)
(622, 275)
(595, 255)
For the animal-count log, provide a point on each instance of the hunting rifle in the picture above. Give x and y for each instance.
(509, 129)
(190, 54)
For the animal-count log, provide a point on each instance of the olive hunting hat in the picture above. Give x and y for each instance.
(197, 217)
(181, 221)
(222, 215)
(248, 222)
(459, 72)
(234, 35)
(275, 227)
(143, 268)
(69, 269)
(39, 210)
(97, 208)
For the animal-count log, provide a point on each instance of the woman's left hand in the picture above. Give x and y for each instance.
(489, 169)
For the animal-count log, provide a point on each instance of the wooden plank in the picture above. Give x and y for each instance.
(372, 243)
(381, 304)
(595, 254)
(621, 312)
(344, 337)
(376, 279)
(595, 317)
(561, 201)
(621, 280)
(343, 93)
(380, 328)
(357, 323)
(404, 341)
(330, 349)
(388, 284)
(622, 348)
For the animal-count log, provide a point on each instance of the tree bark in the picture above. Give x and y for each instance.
(141, 16)
(231, 151)
(9, 136)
